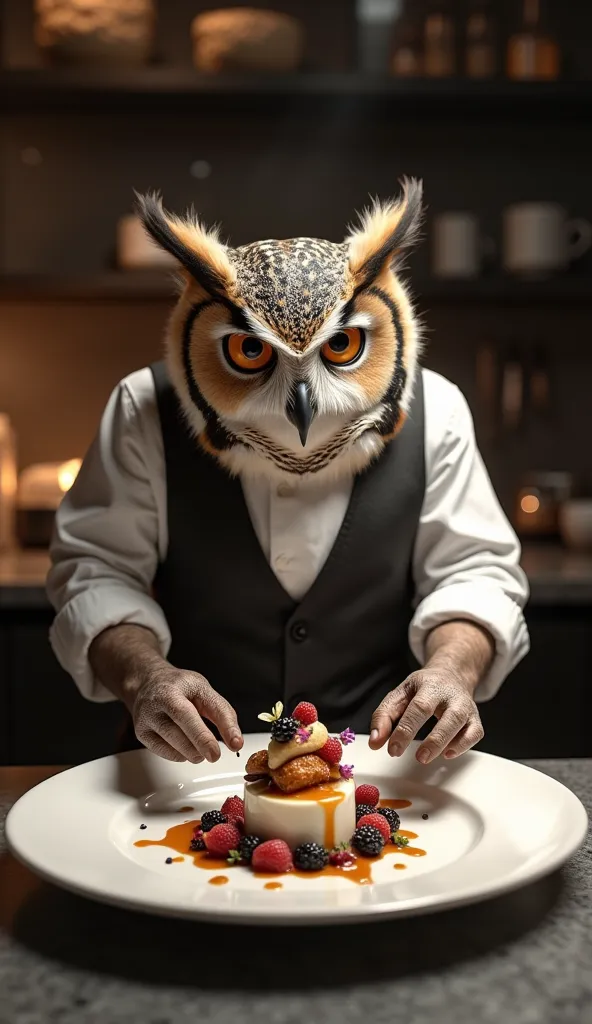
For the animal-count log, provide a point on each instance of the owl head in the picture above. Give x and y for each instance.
(298, 356)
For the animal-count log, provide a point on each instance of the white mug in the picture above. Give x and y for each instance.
(456, 246)
(539, 239)
(135, 247)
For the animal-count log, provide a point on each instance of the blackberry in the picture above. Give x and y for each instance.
(363, 809)
(211, 818)
(196, 844)
(310, 857)
(368, 841)
(246, 847)
(391, 816)
(284, 729)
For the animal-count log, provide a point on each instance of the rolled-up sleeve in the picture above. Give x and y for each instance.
(466, 558)
(105, 548)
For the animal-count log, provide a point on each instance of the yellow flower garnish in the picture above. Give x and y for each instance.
(277, 712)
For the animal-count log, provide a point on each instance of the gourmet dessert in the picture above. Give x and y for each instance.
(298, 790)
(301, 809)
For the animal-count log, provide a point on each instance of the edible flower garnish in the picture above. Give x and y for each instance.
(399, 840)
(346, 771)
(276, 712)
(347, 736)
(303, 735)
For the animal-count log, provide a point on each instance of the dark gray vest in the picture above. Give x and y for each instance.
(344, 646)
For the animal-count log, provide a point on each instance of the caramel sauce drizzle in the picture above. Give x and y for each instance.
(178, 838)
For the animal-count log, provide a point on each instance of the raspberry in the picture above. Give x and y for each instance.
(305, 713)
(310, 857)
(221, 839)
(211, 818)
(233, 807)
(363, 809)
(364, 795)
(368, 841)
(379, 822)
(341, 858)
(247, 847)
(284, 729)
(197, 840)
(391, 816)
(274, 855)
(332, 751)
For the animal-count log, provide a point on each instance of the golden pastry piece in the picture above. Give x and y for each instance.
(279, 753)
(334, 773)
(257, 764)
(301, 772)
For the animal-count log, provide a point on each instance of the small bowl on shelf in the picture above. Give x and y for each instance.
(575, 524)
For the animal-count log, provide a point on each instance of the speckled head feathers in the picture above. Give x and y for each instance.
(259, 325)
(292, 285)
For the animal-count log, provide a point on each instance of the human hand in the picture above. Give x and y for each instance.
(168, 710)
(430, 691)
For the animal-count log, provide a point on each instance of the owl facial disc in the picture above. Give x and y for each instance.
(293, 357)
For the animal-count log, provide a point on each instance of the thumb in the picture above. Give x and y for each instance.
(217, 709)
(386, 714)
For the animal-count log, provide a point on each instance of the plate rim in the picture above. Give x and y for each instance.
(360, 913)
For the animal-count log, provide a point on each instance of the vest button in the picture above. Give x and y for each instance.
(299, 631)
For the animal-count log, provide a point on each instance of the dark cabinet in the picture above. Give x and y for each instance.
(544, 707)
(45, 720)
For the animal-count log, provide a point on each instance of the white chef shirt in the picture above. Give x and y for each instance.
(111, 533)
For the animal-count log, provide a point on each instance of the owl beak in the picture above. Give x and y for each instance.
(300, 410)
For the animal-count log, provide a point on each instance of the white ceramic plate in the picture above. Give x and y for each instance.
(492, 826)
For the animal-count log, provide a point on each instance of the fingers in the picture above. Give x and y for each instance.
(168, 707)
(201, 740)
(386, 714)
(152, 741)
(420, 710)
(452, 721)
(177, 739)
(217, 710)
(472, 733)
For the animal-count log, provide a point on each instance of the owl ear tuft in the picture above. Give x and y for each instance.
(385, 230)
(197, 248)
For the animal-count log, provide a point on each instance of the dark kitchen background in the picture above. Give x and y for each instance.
(284, 127)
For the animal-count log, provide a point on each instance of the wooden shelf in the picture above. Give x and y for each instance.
(505, 291)
(45, 88)
(110, 285)
(159, 286)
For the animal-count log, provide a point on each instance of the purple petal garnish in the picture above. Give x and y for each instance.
(347, 736)
(346, 771)
(303, 735)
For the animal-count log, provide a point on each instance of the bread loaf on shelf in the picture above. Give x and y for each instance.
(245, 39)
(95, 31)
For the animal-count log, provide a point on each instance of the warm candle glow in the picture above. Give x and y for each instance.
(67, 473)
(530, 503)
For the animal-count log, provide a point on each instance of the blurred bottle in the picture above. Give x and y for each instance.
(480, 40)
(533, 54)
(375, 21)
(407, 47)
(439, 40)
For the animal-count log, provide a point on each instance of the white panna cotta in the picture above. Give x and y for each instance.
(324, 814)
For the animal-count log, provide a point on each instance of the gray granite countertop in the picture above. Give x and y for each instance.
(520, 959)
(557, 577)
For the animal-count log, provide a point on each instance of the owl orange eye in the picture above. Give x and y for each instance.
(247, 353)
(345, 347)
